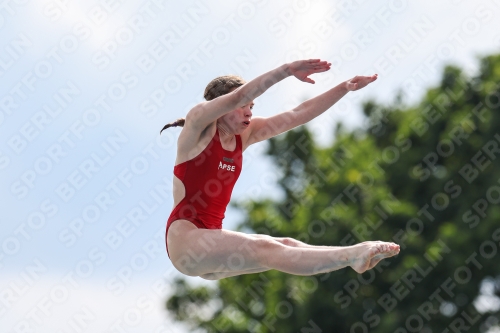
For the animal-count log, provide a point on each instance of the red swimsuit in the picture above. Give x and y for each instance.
(209, 179)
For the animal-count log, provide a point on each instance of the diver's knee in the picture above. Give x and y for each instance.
(266, 250)
(288, 241)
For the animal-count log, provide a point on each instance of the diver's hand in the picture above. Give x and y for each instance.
(359, 82)
(301, 69)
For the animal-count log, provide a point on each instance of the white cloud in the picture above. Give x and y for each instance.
(48, 308)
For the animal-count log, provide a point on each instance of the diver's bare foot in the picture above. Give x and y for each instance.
(370, 253)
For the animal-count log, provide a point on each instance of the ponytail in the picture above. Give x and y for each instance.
(179, 122)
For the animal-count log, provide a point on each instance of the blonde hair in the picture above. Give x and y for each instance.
(217, 87)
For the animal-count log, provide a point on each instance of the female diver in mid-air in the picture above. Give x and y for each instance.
(209, 158)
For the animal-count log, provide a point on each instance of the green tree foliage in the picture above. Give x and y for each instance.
(426, 177)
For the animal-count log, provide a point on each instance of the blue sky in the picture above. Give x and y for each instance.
(87, 85)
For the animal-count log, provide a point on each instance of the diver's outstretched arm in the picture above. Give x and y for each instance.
(264, 128)
(206, 112)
